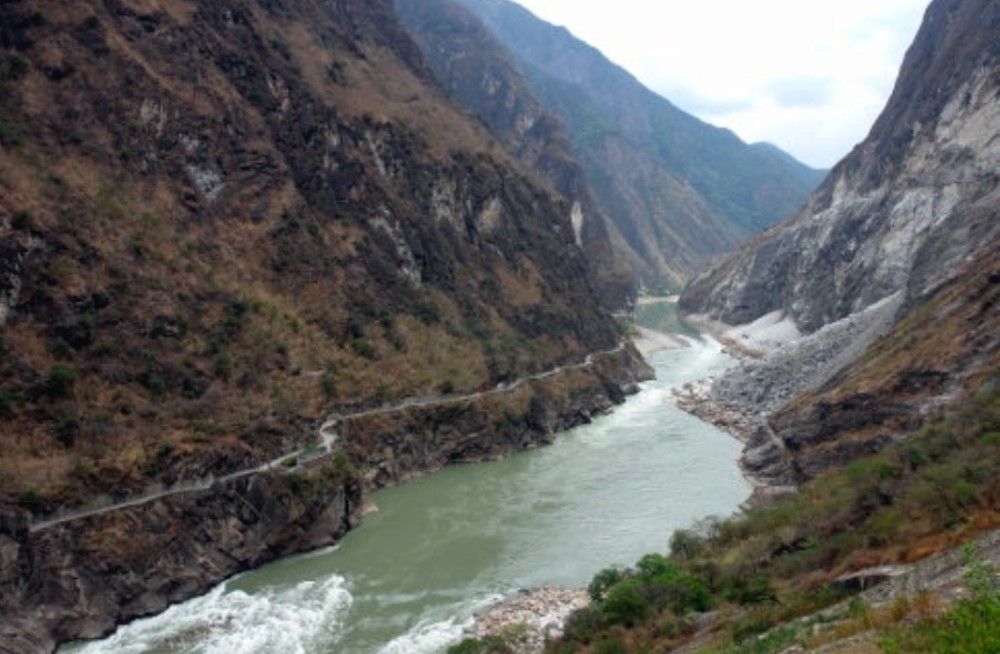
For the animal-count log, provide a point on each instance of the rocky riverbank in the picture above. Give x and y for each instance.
(530, 618)
(777, 364)
(80, 578)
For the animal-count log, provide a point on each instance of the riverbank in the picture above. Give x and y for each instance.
(530, 618)
(80, 576)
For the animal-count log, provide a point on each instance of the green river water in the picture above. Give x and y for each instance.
(443, 547)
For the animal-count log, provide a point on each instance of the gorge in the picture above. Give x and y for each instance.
(261, 260)
(440, 548)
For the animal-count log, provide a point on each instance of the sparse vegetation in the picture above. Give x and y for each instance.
(772, 563)
(60, 381)
(13, 66)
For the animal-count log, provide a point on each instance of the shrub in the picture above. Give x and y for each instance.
(626, 603)
(156, 385)
(13, 67)
(427, 312)
(31, 499)
(10, 135)
(66, 430)
(8, 399)
(328, 384)
(364, 348)
(685, 544)
(584, 624)
(750, 588)
(23, 221)
(603, 581)
(62, 377)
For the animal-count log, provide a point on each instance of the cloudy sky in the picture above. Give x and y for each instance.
(810, 76)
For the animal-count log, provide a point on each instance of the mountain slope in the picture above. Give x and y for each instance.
(479, 74)
(220, 223)
(899, 243)
(664, 177)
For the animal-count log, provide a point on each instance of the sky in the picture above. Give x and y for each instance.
(809, 76)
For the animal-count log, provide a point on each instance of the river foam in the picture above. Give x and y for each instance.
(293, 620)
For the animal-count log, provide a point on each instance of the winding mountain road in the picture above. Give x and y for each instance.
(327, 441)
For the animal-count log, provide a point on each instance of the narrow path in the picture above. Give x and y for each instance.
(327, 441)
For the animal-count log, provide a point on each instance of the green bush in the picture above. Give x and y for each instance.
(603, 581)
(13, 67)
(60, 381)
(626, 603)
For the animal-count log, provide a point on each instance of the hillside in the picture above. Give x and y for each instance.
(900, 244)
(219, 224)
(479, 74)
(678, 190)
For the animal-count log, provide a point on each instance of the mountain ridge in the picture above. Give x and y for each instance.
(737, 189)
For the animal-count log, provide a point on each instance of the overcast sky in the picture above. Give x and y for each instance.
(810, 76)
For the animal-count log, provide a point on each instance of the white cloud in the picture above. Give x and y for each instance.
(808, 76)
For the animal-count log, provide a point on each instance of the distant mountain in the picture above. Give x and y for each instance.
(678, 190)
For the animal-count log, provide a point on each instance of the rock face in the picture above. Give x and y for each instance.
(678, 190)
(479, 73)
(899, 242)
(80, 579)
(390, 448)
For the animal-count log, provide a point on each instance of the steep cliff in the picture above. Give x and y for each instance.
(900, 243)
(479, 73)
(678, 190)
(219, 223)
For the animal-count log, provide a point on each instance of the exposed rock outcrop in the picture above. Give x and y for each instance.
(479, 73)
(388, 449)
(888, 274)
(80, 579)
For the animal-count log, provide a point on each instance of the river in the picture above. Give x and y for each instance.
(442, 547)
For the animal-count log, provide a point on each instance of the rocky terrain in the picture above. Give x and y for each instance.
(885, 283)
(479, 73)
(219, 224)
(675, 190)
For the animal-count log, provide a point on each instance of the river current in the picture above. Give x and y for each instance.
(440, 548)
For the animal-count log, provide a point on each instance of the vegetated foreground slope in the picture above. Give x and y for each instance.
(480, 74)
(678, 190)
(900, 242)
(220, 222)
